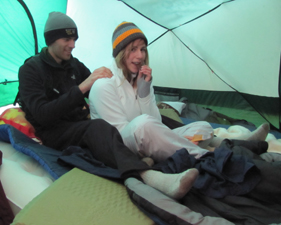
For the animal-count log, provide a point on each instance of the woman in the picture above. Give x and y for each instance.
(127, 102)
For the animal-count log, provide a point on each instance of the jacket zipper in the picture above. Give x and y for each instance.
(138, 101)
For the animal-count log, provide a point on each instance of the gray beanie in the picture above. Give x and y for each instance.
(123, 34)
(59, 25)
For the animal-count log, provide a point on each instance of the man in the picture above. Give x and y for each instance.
(52, 90)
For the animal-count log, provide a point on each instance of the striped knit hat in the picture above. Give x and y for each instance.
(59, 25)
(123, 34)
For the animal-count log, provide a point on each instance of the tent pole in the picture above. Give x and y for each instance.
(32, 24)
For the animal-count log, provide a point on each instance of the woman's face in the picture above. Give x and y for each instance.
(135, 55)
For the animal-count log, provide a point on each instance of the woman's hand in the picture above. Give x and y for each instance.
(143, 81)
(145, 71)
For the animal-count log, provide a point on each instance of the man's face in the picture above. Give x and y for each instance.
(61, 49)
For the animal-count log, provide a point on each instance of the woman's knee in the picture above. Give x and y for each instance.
(144, 121)
(137, 130)
(204, 124)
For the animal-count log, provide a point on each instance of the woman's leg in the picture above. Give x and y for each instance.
(146, 136)
(200, 132)
(259, 134)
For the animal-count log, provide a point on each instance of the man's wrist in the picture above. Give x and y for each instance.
(82, 88)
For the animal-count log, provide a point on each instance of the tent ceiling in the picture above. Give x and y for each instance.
(170, 13)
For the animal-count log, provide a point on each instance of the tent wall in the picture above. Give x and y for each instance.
(240, 41)
(17, 39)
(232, 104)
(233, 48)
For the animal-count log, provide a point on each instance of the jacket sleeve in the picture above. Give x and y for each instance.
(148, 105)
(32, 93)
(105, 103)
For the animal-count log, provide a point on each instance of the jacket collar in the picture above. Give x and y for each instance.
(47, 58)
(118, 74)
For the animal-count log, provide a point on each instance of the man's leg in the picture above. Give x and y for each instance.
(103, 141)
(106, 145)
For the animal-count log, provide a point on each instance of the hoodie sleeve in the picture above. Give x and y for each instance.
(33, 94)
(105, 103)
(148, 105)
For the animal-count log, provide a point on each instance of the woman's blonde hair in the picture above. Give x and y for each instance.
(121, 63)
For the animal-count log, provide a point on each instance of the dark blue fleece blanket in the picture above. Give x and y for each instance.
(217, 169)
(244, 209)
(47, 157)
(55, 162)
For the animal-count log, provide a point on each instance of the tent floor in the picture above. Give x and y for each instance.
(241, 114)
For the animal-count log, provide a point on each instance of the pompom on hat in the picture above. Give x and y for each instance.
(59, 25)
(123, 34)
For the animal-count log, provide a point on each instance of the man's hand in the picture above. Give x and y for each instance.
(101, 72)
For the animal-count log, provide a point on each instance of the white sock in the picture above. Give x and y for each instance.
(173, 185)
(260, 133)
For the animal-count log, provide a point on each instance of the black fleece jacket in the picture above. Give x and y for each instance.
(49, 93)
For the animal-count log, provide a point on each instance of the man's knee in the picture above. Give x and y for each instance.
(99, 125)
